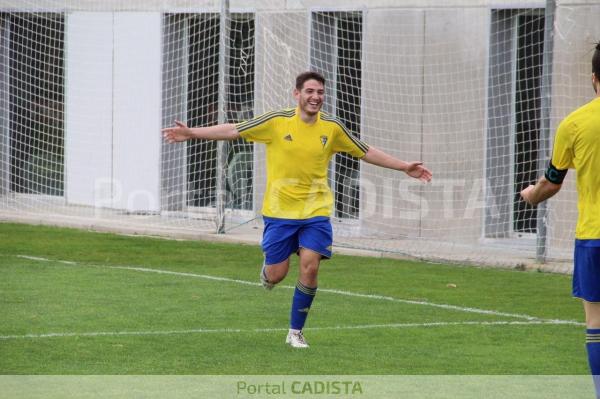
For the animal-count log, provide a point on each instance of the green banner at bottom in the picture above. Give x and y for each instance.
(301, 386)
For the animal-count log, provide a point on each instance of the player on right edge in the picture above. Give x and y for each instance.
(577, 146)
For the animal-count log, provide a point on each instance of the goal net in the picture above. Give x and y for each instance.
(474, 91)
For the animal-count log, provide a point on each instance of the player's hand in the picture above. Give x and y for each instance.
(526, 194)
(179, 132)
(418, 171)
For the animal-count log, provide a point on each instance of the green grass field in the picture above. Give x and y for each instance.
(98, 303)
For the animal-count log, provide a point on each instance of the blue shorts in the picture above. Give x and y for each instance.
(586, 271)
(283, 237)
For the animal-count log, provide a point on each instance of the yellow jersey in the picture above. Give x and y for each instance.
(577, 146)
(298, 156)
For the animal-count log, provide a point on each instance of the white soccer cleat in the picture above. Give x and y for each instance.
(296, 339)
(264, 281)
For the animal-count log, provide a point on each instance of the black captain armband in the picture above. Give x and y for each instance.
(554, 175)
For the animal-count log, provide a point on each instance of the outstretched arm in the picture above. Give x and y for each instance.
(180, 132)
(413, 169)
(541, 191)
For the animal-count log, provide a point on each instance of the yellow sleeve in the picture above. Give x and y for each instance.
(562, 153)
(259, 129)
(343, 141)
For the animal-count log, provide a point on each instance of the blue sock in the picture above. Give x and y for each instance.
(592, 344)
(303, 297)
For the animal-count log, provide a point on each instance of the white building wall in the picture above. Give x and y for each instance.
(113, 100)
(89, 108)
(391, 117)
(113, 110)
(260, 5)
(137, 110)
(455, 71)
(423, 99)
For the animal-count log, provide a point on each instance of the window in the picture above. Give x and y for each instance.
(198, 72)
(240, 107)
(203, 89)
(36, 101)
(202, 106)
(514, 113)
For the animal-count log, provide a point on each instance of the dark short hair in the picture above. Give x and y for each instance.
(304, 76)
(596, 61)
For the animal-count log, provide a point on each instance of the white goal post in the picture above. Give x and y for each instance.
(474, 89)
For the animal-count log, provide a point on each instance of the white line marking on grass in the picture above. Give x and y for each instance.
(184, 274)
(331, 291)
(66, 262)
(436, 305)
(353, 294)
(268, 330)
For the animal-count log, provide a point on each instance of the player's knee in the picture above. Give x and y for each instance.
(592, 320)
(276, 273)
(276, 276)
(592, 314)
(309, 269)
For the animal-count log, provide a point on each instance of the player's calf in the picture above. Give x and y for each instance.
(273, 274)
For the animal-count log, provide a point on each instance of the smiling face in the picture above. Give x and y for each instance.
(310, 99)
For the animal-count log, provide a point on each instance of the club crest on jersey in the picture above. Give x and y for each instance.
(324, 140)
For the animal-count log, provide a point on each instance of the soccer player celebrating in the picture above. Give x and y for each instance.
(297, 203)
(577, 146)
